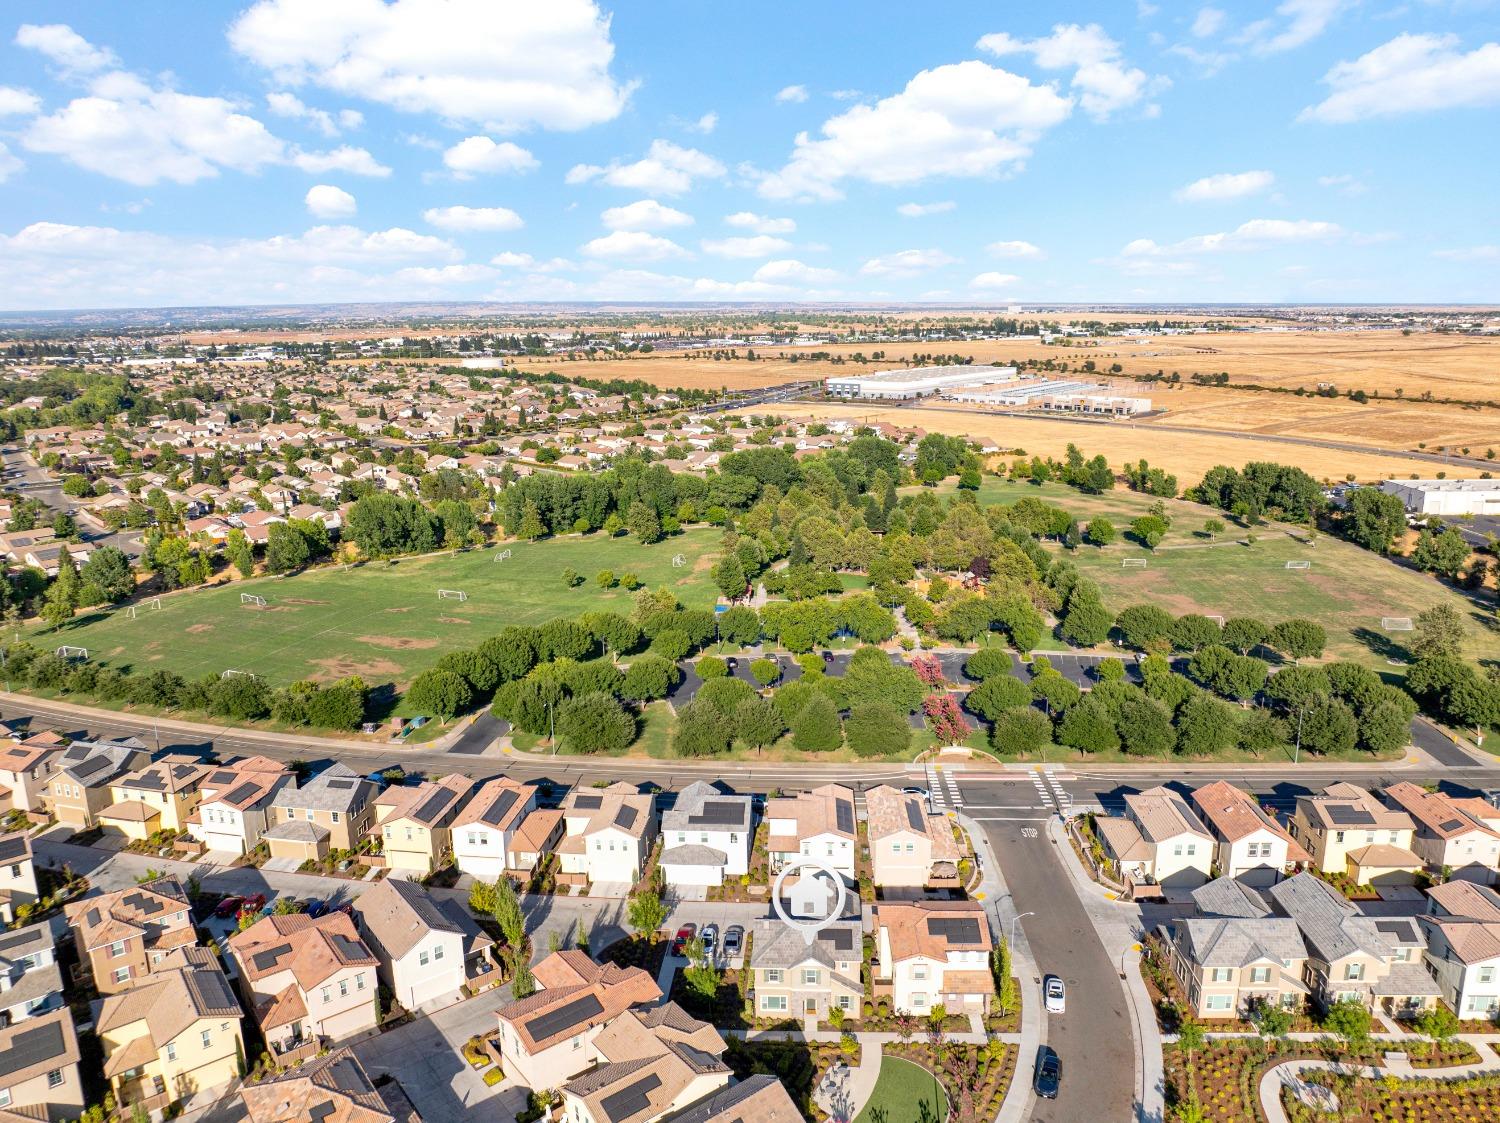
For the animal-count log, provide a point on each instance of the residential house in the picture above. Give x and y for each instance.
(910, 847)
(1228, 965)
(158, 797)
(17, 874)
(483, 832)
(608, 835)
(536, 838)
(175, 1034)
(31, 983)
(1248, 843)
(26, 769)
(933, 953)
(125, 935)
(795, 978)
(1458, 836)
(233, 810)
(39, 1078)
(547, 1038)
(706, 837)
(334, 1088)
(1159, 841)
(307, 980)
(415, 823)
(332, 811)
(1340, 826)
(651, 1061)
(80, 786)
(818, 824)
(762, 1098)
(1353, 957)
(1462, 926)
(428, 949)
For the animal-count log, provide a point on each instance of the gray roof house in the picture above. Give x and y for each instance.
(706, 836)
(31, 983)
(796, 978)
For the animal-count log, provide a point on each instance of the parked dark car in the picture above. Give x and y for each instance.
(684, 935)
(253, 903)
(316, 908)
(1048, 1075)
(228, 907)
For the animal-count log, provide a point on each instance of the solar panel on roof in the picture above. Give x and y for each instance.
(1343, 815)
(347, 948)
(17, 939)
(264, 960)
(92, 916)
(719, 812)
(842, 939)
(495, 813)
(150, 906)
(632, 1099)
(955, 929)
(220, 777)
(1450, 824)
(564, 1017)
(12, 848)
(150, 781)
(436, 803)
(241, 792)
(340, 785)
(914, 815)
(89, 766)
(588, 802)
(625, 818)
(320, 1111)
(32, 1046)
(844, 815)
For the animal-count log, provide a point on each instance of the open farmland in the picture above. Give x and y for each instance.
(687, 370)
(383, 622)
(1189, 455)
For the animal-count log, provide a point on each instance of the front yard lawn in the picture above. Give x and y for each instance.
(905, 1093)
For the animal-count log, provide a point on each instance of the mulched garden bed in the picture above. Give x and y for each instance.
(975, 1077)
(1430, 1100)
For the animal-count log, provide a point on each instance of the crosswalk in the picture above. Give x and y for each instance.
(1049, 790)
(942, 789)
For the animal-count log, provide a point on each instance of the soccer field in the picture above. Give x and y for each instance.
(383, 622)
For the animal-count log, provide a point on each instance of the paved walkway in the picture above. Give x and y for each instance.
(1284, 1075)
(844, 1092)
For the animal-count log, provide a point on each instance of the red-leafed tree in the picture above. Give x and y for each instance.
(946, 719)
(929, 670)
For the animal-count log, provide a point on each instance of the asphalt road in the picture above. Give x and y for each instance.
(24, 475)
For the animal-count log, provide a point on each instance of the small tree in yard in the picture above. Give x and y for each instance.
(482, 898)
(1272, 1021)
(1005, 985)
(1349, 1019)
(646, 913)
(522, 985)
(701, 976)
(508, 915)
(1439, 1023)
(945, 719)
(929, 671)
(906, 1025)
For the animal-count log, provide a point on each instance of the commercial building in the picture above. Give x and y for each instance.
(1056, 395)
(917, 382)
(1446, 497)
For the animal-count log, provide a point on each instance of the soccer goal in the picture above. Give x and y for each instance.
(1299, 565)
(1132, 563)
(154, 604)
(503, 555)
(1219, 620)
(1396, 623)
(452, 594)
(232, 673)
(253, 598)
(81, 654)
(678, 561)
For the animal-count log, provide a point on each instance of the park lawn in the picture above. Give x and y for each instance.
(1120, 505)
(382, 621)
(905, 1093)
(1348, 590)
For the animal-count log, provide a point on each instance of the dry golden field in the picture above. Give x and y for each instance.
(1186, 454)
(691, 372)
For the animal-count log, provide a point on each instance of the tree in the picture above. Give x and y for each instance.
(1375, 519)
(605, 579)
(513, 651)
(1055, 689)
(508, 914)
(1101, 532)
(243, 697)
(649, 677)
(1298, 687)
(1438, 1023)
(1145, 727)
(65, 593)
(440, 693)
(1020, 731)
(1145, 627)
(108, 571)
(1088, 727)
(1438, 630)
(644, 522)
(1298, 639)
(645, 912)
(995, 695)
(1206, 726)
(241, 555)
(878, 729)
(729, 576)
(1384, 727)
(1243, 634)
(987, 662)
(816, 727)
(530, 527)
(1193, 631)
(1212, 528)
(765, 671)
(1085, 620)
(595, 723)
(1349, 1018)
(702, 730)
(1149, 530)
(1328, 726)
(286, 549)
(757, 722)
(522, 983)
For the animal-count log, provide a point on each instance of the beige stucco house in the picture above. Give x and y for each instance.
(797, 978)
(415, 823)
(1338, 826)
(1158, 841)
(234, 804)
(933, 953)
(1248, 843)
(39, 1078)
(910, 847)
(124, 936)
(332, 811)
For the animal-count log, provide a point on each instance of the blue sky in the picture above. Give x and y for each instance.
(272, 151)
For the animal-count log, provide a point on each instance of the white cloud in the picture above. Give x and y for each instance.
(1410, 74)
(792, 94)
(9, 164)
(55, 265)
(788, 271)
(1258, 233)
(1297, 22)
(761, 224)
(1225, 185)
(344, 158)
(18, 103)
(906, 263)
(758, 245)
(288, 105)
(326, 201)
(479, 155)
(1101, 79)
(962, 119)
(443, 274)
(634, 244)
(666, 169)
(645, 214)
(1207, 23)
(473, 218)
(1346, 184)
(1471, 253)
(705, 124)
(1013, 249)
(994, 281)
(70, 51)
(920, 210)
(510, 260)
(507, 65)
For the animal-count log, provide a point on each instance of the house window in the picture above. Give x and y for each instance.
(773, 974)
(1192, 849)
(1338, 836)
(1260, 974)
(335, 815)
(122, 974)
(327, 995)
(919, 1001)
(309, 814)
(681, 838)
(171, 1051)
(117, 949)
(1177, 850)
(843, 1002)
(1353, 972)
(1219, 1001)
(422, 958)
(919, 971)
(207, 1039)
(911, 847)
(343, 988)
(1486, 974)
(810, 977)
(773, 1002)
(437, 952)
(1220, 975)
(359, 981)
(54, 1078)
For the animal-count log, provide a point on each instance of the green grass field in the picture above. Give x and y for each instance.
(382, 622)
(905, 1093)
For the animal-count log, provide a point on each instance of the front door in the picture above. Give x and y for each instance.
(809, 1005)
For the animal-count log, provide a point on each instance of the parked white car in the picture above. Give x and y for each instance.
(1055, 994)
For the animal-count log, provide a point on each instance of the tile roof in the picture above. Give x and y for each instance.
(701, 806)
(1472, 941)
(1234, 814)
(577, 994)
(171, 999)
(824, 810)
(617, 807)
(757, 1099)
(333, 1088)
(37, 1045)
(1436, 812)
(399, 914)
(933, 928)
(336, 788)
(1162, 814)
(1345, 806)
(1230, 897)
(1466, 899)
(1331, 927)
(499, 803)
(890, 811)
(157, 910)
(431, 803)
(1240, 941)
(312, 949)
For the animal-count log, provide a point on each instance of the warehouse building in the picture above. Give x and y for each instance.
(917, 382)
(1446, 497)
(1056, 394)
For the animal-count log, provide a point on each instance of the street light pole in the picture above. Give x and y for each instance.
(1297, 752)
(1010, 941)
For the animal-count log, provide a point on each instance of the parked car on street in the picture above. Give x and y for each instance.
(734, 940)
(710, 939)
(316, 908)
(1047, 1077)
(228, 907)
(684, 935)
(1055, 993)
(253, 903)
